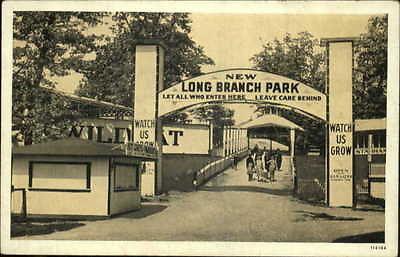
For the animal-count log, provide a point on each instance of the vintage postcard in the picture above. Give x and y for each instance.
(200, 128)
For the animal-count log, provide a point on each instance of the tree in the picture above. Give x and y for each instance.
(46, 43)
(220, 115)
(110, 76)
(293, 57)
(370, 85)
(297, 58)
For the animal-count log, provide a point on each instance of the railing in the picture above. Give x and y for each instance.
(215, 167)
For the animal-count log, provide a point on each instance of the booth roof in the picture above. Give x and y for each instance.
(71, 146)
(271, 120)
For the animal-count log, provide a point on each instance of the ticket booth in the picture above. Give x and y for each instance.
(75, 177)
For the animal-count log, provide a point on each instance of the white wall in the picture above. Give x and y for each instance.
(124, 201)
(62, 203)
(188, 139)
(378, 190)
(108, 129)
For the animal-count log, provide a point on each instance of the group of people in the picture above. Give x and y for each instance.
(262, 164)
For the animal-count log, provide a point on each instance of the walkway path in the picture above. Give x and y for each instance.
(229, 208)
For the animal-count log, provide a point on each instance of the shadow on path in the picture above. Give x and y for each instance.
(247, 189)
(308, 215)
(374, 237)
(30, 228)
(144, 211)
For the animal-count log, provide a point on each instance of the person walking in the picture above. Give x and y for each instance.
(267, 157)
(259, 166)
(271, 168)
(278, 159)
(250, 165)
(235, 161)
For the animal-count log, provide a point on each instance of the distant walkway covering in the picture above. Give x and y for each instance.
(271, 120)
(265, 142)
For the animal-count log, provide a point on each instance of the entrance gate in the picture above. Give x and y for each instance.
(252, 86)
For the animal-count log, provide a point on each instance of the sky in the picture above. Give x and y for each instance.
(232, 39)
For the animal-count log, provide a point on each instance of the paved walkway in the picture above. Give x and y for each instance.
(230, 208)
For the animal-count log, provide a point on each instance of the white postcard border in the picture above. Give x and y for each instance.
(205, 248)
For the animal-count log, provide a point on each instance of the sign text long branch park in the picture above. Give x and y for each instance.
(243, 85)
(254, 86)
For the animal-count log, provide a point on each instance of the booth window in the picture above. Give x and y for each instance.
(126, 177)
(59, 176)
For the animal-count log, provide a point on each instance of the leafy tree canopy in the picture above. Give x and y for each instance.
(370, 85)
(293, 57)
(46, 43)
(110, 76)
(299, 58)
(220, 115)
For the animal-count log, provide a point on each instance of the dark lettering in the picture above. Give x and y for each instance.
(175, 133)
(75, 132)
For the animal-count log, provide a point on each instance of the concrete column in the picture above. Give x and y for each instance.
(223, 141)
(340, 175)
(292, 142)
(149, 79)
(211, 131)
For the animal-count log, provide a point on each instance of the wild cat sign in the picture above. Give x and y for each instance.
(242, 85)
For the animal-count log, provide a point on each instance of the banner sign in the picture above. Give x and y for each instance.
(340, 124)
(139, 150)
(103, 130)
(242, 85)
(186, 139)
(373, 151)
(176, 138)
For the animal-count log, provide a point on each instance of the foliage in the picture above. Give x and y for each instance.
(46, 43)
(298, 59)
(370, 85)
(220, 115)
(293, 57)
(110, 76)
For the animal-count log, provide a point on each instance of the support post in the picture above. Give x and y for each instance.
(149, 80)
(292, 142)
(340, 175)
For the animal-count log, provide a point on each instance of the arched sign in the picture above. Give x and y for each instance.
(253, 86)
(242, 85)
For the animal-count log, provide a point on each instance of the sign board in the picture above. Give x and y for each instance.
(139, 150)
(373, 151)
(340, 124)
(176, 138)
(186, 139)
(103, 130)
(242, 85)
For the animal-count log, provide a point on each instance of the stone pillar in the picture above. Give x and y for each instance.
(340, 177)
(292, 142)
(149, 80)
